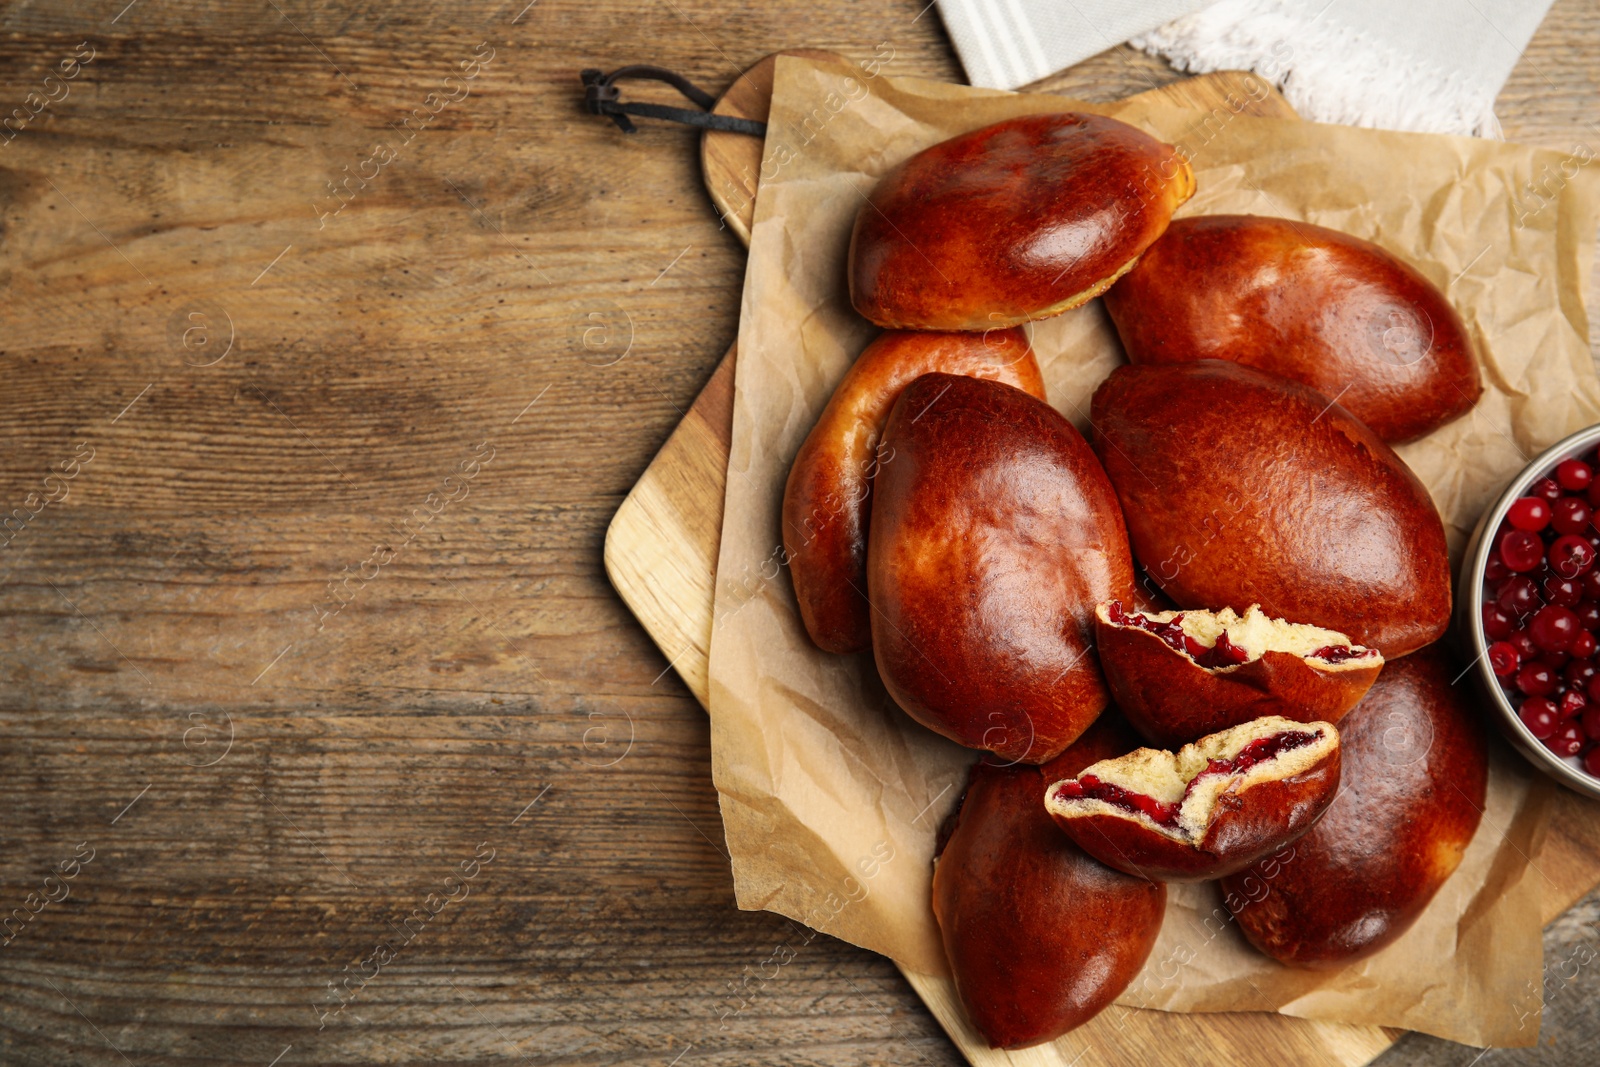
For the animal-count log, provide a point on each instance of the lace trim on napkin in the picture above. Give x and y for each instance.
(1328, 71)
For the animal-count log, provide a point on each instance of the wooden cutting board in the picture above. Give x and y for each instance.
(661, 554)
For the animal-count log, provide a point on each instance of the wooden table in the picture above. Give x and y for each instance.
(312, 652)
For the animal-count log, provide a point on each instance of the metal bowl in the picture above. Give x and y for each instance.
(1469, 616)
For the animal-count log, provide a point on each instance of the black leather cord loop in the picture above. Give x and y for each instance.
(601, 97)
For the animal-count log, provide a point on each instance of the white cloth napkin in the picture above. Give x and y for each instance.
(1433, 66)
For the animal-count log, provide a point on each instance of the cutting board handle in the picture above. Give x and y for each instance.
(601, 96)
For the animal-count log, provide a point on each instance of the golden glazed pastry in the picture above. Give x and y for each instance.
(1415, 774)
(1017, 221)
(1040, 935)
(1312, 304)
(1244, 488)
(994, 535)
(828, 498)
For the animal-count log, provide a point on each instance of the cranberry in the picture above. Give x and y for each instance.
(1504, 659)
(1536, 680)
(1528, 513)
(1524, 645)
(1571, 703)
(1546, 489)
(1523, 551)
(1497, 623)
(1591, 761)
(1589, 615)
(1539, 716)
(1495, 569)
(1568, 740)
(1564, 591)
(1591, 722)
(1579, 671)
(1574, 475)
(1519, 596)
(1591, 584)
(1570, 555)
(1554, 627)
(1222, 654)
(1570, 515)
(1554, 660)
(1594, 494)
(1584, 645)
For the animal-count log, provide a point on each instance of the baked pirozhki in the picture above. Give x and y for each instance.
(1179, 675)
(994, 534)
(1209, 809)
(827, 501)
(1415, 776)
(1021, 220)
(1039, 935)
(1243, 488)
(1326, 309)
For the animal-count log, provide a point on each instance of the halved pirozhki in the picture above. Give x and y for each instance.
(1179, 675)
(1209, 809)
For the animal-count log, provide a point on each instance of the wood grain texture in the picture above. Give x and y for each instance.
(731, 162)
(661, 547)
(516, 243)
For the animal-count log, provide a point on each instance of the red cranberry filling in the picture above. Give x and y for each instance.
(1337, 654)
(1163, 814)
(1171, 632)
(1262, 749)
(1222, 654)
(1138, 803)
